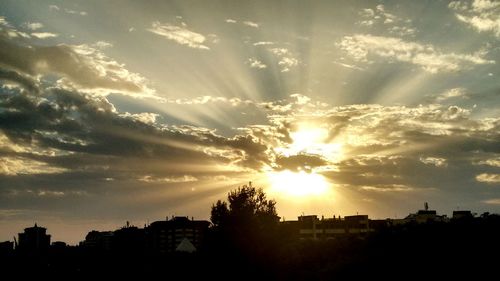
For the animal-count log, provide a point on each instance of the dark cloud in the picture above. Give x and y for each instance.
(24, 81)
(300, 162)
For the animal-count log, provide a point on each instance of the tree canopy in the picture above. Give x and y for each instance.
(245, 206)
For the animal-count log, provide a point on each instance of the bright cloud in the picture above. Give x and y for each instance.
(494, 162)
(286, 60)
(364, 47)
(44, 35)
(251, 24)
(482, 15)
(488, 178)
(438, 162)
(84, 67)
(494, 201)
(152, 179)
(180, 35)
(380, 17)
(12, 166)
(255, 63)
(33, 25)
(452, 93)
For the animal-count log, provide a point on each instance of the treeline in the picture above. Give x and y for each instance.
(247, 242)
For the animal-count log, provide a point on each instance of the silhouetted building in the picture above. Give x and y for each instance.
(171, 235)
(421, 216)
(129, 240)
(458, 215)
(58, 245)
(98, 241)
(34, 240)
(310, 227)
(6, 248)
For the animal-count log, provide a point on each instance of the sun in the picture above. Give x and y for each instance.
(307, 139)
(297, 184)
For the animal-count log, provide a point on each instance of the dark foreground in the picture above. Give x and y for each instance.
(455, 250)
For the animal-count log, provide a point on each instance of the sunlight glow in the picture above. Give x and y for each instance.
(312, 140)
(307, 139)
(297, 183)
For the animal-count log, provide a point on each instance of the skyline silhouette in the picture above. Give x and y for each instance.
(424, 215)
(246, 242)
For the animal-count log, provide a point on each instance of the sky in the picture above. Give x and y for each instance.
(115, 111)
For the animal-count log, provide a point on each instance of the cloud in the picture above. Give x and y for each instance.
(380, 17)
(348, 65)
(488, 178)
(73, 12)
(493, 201)
(451, 94)
(436, 161)
(145, 117)
(54, 8)
(44, 35)
(180, 35)
(299, 162)
(384, 149)
(494, 162)
(286, 60)
(13, 166)
(255, 63)
(86, 135)
(33, 25)
(251, 24)
(364, 48)
(230, 21)
(102, 45)
(8, 31)
(83, 67)
(378, 146)
(388, 188)
(210, 99)
(184, 178)
(482, 15)
(263, 43)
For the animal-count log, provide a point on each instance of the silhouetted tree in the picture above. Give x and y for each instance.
(245, 230)
(247, 206)
(219, 213)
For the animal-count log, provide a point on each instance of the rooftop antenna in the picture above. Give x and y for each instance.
(426, 206)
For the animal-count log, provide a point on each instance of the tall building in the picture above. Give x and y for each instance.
(176, 234)
(34, 240)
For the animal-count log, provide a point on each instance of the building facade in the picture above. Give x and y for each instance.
(34, 240)
(166, 236)
(311, 227)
